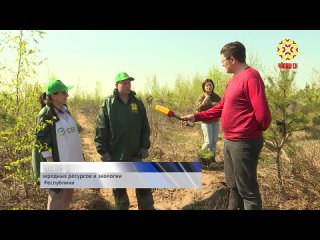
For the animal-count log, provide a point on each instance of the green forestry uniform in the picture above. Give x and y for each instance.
(121, 130)
(46, 139)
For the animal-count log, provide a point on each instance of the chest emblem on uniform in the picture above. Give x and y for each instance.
(61, 131)
(134, 107)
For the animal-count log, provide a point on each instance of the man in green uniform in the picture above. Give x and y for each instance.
(123, 135)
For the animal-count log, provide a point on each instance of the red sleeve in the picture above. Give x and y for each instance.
(257, 97)
(210, 114)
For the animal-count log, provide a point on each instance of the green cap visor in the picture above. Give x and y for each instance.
(123, 76)
(56, 86)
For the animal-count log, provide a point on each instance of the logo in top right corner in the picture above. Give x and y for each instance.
(287, 49)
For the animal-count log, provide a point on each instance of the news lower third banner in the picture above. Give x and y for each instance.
(120, 175)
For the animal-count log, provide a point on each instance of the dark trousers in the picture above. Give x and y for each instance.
(240, 167)
(144, 198)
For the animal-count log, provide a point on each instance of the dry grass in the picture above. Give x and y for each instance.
(12, 197)
(301, 174)
(173, 142)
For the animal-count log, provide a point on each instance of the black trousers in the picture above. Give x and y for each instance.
(240, 167)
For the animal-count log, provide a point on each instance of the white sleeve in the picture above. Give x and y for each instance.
(46, 154)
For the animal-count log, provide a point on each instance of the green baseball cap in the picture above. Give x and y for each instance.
(56, 86)
(123, 76)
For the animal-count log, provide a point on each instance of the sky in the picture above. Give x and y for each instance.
(81, 58)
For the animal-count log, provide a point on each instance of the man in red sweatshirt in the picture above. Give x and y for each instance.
(245, 114)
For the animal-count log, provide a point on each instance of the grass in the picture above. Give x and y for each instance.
(170, 141)
(205, 154)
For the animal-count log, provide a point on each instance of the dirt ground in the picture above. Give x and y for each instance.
(170, 141)
(165, 199)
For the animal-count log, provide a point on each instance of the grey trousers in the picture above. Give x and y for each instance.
(240, 167)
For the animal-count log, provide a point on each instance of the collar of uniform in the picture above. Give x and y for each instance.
(62, 111)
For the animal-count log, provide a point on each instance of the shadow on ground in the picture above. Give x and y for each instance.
(211, 166)
(90, 199)
(217, 201)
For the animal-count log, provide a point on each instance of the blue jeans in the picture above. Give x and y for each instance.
(210, 134)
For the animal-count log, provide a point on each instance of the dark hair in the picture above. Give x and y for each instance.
(45, 100)
(204, 84)
(236, 50)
